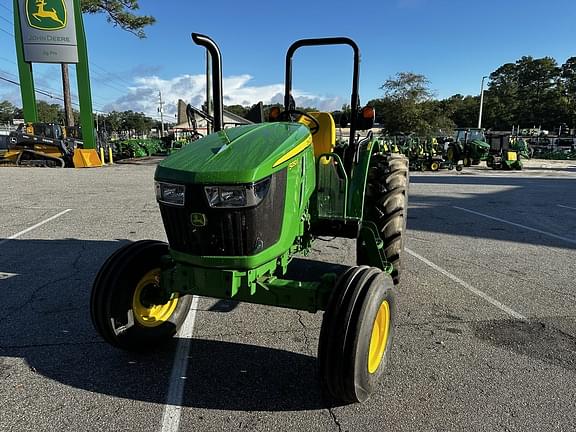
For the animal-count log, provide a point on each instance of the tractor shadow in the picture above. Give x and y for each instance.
(531, 202)
(45, 320)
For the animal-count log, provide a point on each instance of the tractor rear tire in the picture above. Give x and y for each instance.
(123, 306)
(356, 334)
(386, 205)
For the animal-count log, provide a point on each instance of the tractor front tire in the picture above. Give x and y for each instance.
(127, 306)
(386, 205)
(356, 334)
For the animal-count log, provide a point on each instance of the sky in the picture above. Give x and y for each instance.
(452, 42)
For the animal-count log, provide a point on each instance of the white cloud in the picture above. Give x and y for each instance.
(143, 97)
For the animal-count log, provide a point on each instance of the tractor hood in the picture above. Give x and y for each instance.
(481, 144)
(243, 154)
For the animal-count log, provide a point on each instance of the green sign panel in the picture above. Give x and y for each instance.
(48, 31)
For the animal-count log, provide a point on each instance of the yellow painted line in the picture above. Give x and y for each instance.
(296, 150)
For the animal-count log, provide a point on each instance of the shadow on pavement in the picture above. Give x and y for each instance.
(45, 320)
(531, 202)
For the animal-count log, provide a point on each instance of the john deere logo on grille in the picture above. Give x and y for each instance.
(198, 219)
(46, 14)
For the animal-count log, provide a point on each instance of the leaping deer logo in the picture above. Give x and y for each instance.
(42, 13)
(46, 14)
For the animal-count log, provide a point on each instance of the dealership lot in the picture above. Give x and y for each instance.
(485, 336)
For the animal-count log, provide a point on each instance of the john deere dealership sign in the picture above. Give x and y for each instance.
(48, 31)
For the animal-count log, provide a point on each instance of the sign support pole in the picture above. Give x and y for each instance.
(24, 72)
(83, 79)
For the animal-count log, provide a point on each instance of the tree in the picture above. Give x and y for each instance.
(237, 109)
(462, 110)
(7, 112)
(408, 106)
(538, 91)
(49, 113)
(501, 98)
(120, 13)
(568, 82)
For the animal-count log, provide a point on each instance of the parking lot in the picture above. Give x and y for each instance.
(485, 337)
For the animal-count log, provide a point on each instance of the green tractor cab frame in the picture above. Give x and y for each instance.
(238, 204)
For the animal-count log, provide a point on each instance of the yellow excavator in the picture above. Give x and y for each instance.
(47, 145)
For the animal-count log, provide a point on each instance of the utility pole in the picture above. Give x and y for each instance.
(481, 102)
(68, 113)
(161, 111)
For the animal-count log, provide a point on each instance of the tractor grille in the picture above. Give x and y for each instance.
(228, 231)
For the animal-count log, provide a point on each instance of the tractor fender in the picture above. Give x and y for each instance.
(357, 189)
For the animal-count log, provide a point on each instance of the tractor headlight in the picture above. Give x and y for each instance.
(169, 193)
(248, 195)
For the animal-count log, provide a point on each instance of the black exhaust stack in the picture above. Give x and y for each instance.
(214, 51)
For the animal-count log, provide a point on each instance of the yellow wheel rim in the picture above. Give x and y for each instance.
(379, 338)
(147, 313)
(434, 166)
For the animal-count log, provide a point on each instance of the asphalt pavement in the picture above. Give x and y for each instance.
(485, 337)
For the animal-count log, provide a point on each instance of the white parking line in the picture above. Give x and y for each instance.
(545, 233)
(566, 207)
(33, 227)
(171, 416)
(5, 275)
(469, 287)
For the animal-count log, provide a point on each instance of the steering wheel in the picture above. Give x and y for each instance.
(287, 116)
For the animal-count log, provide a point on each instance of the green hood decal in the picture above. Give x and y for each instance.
(242, 154)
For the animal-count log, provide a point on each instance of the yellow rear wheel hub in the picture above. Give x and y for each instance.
(379, 338)
(146, 311)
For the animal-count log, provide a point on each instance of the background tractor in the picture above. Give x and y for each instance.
(506, 152)
(469, 146)
(238, 204)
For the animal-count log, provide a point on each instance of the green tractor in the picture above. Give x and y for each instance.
(469, 146)
(240, 203)
(506, 152)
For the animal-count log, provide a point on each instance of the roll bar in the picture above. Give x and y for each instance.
(354, 99)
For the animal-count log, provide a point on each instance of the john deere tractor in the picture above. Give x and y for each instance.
(240, 203)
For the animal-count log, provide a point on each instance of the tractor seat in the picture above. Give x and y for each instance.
(325, 139)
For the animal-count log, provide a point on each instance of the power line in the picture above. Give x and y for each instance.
(7, 20)
(4, 31)
(45, 93)
(118, 78)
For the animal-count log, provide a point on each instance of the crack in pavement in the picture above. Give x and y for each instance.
(335, 419)
(56, 344)
(37, 290)
(306, 341)
(33, 295)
